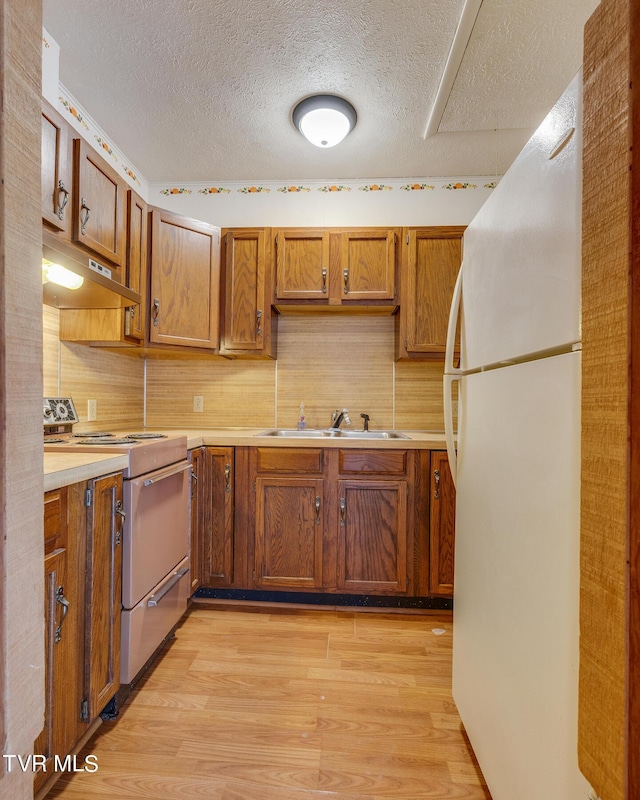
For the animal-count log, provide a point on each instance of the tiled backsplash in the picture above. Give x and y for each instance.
(327, 361)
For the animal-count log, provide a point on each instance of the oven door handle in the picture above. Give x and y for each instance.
(174, 471)
(175, 578)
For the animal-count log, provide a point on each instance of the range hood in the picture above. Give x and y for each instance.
(98, 290)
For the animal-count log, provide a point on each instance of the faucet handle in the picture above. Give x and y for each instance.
(345, 417)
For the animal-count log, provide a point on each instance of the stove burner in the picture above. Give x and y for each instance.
(91, 435)
(107, 441)
(146, 436)
(54, 440)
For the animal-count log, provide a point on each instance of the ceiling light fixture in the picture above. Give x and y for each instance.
(324, 119)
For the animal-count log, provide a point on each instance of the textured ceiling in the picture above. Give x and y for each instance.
(202, 90)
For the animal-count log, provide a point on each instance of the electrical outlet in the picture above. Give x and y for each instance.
(92, 410)
(198, 402)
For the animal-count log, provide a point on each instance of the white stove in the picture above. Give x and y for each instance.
(155, 557)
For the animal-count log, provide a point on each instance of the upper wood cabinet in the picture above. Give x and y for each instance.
(184, 281)
(248, 325)
(431, 259)
(117, 327)
(56, 171)
(99, 205)
(336, 266)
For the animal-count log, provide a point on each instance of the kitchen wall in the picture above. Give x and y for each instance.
(327, 361)
(114, 380)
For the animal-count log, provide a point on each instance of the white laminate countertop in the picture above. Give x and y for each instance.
(63, 469)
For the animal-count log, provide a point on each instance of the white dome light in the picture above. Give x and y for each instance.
(324, 119)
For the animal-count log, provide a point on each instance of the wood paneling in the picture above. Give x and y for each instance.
(302, 459)
(114, 380)
(330, 361)
(605, 392)
(290, 705)
(21, 483)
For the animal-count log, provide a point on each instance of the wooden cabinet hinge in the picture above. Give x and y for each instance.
(88, 497)
(84, 710)
(407, 239)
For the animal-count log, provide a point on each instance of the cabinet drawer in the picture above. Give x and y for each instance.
(276, 459)
(373, 462)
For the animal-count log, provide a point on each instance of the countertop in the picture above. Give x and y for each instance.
(63, 469)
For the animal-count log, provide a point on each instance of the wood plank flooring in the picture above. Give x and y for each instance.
(289, 704)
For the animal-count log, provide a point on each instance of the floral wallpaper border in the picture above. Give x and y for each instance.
(329, 188)
(98, 139)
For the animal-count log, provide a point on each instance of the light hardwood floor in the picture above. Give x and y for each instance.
(289, 704)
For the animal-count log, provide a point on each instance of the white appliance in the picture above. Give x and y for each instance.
(517, 469)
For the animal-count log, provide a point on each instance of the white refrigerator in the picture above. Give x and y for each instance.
(517, 469)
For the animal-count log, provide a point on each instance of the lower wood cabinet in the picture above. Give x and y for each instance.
(83, 568)
(212, 516)
(372, 536)
(289, 532)
(442, 518)
(329, 520)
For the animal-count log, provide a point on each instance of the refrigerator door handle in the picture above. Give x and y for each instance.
(449, 369)
(448, 425)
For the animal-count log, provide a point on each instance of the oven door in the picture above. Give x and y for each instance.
(156, 531)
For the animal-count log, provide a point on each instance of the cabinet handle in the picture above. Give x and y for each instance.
(343, 511)
(156, 311)
(317, 510)
(324, 280)
(227, 477)
(84, 218)
(259, 322)
(345, 274)
(62, 190)
(62, 600)
(436, 477)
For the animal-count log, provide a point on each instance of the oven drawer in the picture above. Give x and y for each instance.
(156, 530)
(145, 626)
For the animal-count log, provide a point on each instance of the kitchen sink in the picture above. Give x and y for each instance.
(328, 433)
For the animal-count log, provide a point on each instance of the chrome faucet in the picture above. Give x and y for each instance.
(338, 417)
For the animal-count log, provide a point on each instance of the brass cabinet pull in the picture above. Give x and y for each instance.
(343, 510)
(436, 476)
(324, 280)
(84, 218)
(156, 311)
(62, 600)
(62, 190)
(317, 510)
(345, 274)
(259, 322)
(227, 477)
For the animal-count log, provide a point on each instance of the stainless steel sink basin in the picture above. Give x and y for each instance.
(328, 433)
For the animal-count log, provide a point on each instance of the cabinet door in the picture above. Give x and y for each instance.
(372, 536)
(218, 539)
(103, 593)
(433, 258)
(185, 277)
(64, 549)
(442, 517)
(99, 205)
(367, 264)
(289, 532)
(136, 272)
(56, 169)
(302, 264)
(197, 521)
(247, 308)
